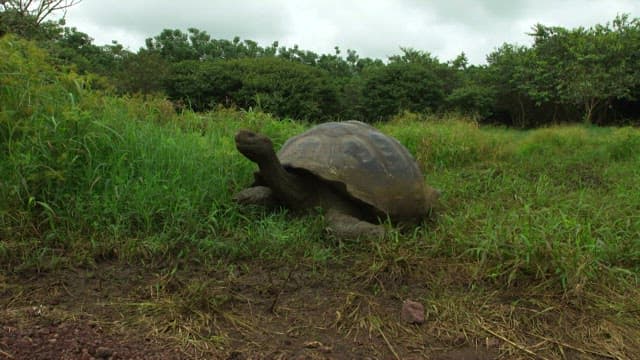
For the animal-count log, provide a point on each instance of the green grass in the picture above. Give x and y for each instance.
(86, 176)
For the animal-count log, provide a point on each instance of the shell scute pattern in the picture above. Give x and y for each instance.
(375, 168)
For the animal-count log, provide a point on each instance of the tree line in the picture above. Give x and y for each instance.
(565, 75)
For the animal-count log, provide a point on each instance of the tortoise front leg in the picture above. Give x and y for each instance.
(256, 195)
(347, 227)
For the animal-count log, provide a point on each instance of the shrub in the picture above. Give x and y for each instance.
(280, 87)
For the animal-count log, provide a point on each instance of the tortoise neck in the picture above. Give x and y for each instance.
(289, 188)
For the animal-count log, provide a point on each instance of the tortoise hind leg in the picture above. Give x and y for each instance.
(347, 227)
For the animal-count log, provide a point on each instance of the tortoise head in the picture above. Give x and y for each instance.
(256, 147)
(431, 197)
(287, 187)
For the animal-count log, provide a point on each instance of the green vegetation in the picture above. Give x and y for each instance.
(284, 88)
(87, 176)
(580, 75)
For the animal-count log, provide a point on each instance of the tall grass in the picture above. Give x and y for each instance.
(86, 176)
(556, 204)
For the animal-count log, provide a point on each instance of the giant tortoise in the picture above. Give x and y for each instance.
(357, 174)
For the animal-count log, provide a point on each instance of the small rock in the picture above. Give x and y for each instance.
(412, 312)
(103, 352)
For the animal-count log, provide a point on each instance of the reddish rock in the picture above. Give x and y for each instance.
(412, 312)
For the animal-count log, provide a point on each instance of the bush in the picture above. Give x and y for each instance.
(39, 126)
(400, 87)
(280, 87)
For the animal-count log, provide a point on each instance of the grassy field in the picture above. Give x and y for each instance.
(534, 251)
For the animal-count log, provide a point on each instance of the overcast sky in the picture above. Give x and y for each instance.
(374, 28)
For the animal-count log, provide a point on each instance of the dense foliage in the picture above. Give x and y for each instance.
(271, 84)
(593, 74)
(587, 75)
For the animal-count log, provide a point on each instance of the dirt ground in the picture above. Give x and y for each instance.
(249, 311)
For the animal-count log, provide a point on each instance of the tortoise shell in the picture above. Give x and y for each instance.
(369, 165)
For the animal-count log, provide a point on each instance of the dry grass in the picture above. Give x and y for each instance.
(319, 315)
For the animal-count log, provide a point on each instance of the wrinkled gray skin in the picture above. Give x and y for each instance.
(299, 190)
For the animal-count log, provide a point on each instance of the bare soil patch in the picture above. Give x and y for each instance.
(258, 311)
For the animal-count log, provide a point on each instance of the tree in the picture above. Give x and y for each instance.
(38, 10)
(173, 45)
(413, 56)
(508, 78)
(401, 86)
(281, 87)
(461, 62)
(588, 68)
(144, 72)
(21, 22)
(473, 93)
